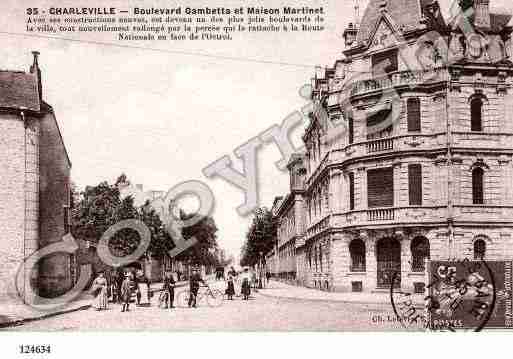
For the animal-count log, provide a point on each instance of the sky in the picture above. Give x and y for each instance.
(160, 116)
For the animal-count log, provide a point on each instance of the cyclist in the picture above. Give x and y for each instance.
(194, 284)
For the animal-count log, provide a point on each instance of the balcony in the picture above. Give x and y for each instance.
(389, 216)
(399, 78)
(318, 227)
(381, 144)
(380, 214)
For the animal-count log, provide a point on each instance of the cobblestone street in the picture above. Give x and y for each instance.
(259, 313)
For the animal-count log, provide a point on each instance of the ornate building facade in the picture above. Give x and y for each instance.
(409, 155)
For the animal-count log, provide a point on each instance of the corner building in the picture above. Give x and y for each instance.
(410, 157)
(34, 187)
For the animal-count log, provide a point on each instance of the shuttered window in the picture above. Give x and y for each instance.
(351, 191)
(415, 184)
(380, 183)
(413, 111)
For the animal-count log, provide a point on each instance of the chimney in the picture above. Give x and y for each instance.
(34, 69)
(482, 14)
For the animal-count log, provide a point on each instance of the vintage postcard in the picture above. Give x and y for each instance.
(273, 165)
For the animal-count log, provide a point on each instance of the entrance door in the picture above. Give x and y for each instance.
(388, 262)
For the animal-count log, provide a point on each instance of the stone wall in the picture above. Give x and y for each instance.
(12, 200)
(55, 273)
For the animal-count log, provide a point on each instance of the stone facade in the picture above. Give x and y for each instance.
(35, 187)
(408, 155)
(290, 214)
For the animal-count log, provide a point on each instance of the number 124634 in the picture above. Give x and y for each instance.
(35, 349)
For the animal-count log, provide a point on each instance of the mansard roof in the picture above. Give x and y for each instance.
(19, 90)
(407, 14)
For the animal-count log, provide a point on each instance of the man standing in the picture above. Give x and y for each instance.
(194, 283)
(168, 290)
(126, 292)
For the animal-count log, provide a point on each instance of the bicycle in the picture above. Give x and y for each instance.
(214, 297)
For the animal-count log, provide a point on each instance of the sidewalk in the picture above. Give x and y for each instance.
(282, 290)
(12, 314)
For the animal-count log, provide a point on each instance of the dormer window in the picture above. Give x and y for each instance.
(384, 63)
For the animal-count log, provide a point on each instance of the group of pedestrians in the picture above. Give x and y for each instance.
(245, 283)
(125, 284)
(120, 289)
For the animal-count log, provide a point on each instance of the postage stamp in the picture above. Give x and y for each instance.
(469, 295)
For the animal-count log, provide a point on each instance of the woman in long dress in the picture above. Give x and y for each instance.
(100, 287)
(230, 289)
(246, 286)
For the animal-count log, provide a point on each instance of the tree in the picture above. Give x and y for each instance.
(260, 238)
(205, 232)
(101, 206)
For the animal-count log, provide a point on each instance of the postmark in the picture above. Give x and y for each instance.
(461, 295)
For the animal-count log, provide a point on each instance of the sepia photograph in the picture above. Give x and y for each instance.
(264, 166)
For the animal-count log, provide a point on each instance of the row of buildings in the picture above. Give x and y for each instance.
(422, 168)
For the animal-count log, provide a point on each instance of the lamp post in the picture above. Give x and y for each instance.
(260, 270)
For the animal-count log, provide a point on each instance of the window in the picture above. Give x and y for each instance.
(419, 287)
(350, 129)
(320, 257)
(356, 286)
(479, 249)
(351, 191)
(419, 252)
(357, 252)
(384, 63)
(379, 125)
(476, 114)
(315, 258)
(477, 186)
(415, 184)
(380, 183)
(413, 113)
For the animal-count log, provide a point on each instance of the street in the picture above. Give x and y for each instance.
(259, 313)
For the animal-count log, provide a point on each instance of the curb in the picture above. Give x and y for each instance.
(18, 322)
(331, 300)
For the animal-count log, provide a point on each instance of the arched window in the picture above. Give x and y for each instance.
(477, 186)
(357, 252)
(413, 113)
(479, 248)
(476, 114)
(419, 252)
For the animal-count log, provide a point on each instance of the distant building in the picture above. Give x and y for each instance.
(424, 166)
(34, 185)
